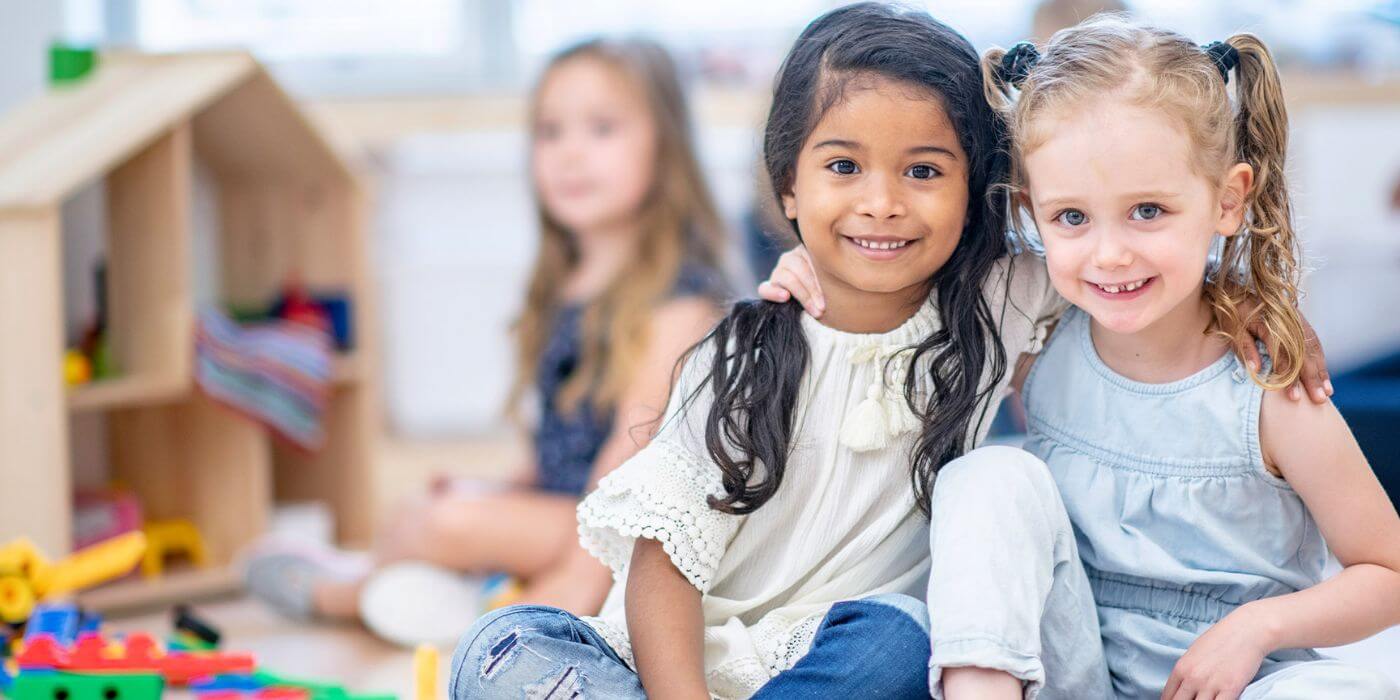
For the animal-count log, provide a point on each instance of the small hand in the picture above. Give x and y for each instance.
(1314, 379)
(795, 277)
(1221, 662)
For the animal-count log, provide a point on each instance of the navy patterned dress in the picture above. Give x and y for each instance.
(567, 442)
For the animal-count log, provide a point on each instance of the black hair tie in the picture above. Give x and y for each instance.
(1018, 62)
(1224, 56)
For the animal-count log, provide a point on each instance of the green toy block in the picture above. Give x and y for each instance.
(318, 691)
(51, 685)
(70, 63)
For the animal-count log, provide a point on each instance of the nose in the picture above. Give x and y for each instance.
(880, 198)
(1111, 251)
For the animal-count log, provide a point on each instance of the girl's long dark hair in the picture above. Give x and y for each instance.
(760, 352)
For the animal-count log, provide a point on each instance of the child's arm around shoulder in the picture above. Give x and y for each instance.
(1312, 448)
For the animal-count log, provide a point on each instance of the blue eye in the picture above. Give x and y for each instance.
(1146, 212)
(603, 128)
(1072, 217)
(923, 172)
(843, 167)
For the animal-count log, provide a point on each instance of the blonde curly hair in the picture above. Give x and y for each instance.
(1255, 283)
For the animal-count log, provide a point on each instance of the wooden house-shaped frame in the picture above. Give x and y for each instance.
(289, 207)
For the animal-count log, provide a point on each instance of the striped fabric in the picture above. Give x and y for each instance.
(277, 373)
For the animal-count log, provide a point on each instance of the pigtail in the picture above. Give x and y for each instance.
(994, 84)
(1259, 268)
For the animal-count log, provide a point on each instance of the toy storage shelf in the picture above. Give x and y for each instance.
(288, 208)
(139, 594)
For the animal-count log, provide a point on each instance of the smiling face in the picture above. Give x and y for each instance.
(880, 191)
(594, 146)
(1127, 223)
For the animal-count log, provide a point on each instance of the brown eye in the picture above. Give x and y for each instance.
(923, 172)
(843, 167)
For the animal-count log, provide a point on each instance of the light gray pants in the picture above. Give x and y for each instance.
(1008, 592)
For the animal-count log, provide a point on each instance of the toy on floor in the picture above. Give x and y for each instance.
(63, 655)
(261, 683)
(27, 577)
(83, 686)
(192, 633)
(425, 672)
(166, 538)
(139, 653)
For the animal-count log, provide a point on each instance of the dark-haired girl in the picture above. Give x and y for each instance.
(766, 541)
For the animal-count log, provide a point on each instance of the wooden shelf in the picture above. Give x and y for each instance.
(178, 586)
(346, 369)
(288, 207)
(125, 392)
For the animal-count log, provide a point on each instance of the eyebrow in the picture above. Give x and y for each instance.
(1135, 196)
(854, 146)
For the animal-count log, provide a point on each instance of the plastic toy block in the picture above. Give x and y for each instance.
(282, 694)
(184, 641)
(41, 653)
(89, 621)
(28, 578)
(58, 621)
(229, 682)
(141, 655)
(84, 686)
(167, 537)
(259, 694)
(186, 621)
(425, 672)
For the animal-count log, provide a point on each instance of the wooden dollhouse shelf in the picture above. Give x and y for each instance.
(181, 585)
(283, 206)
(125, 392)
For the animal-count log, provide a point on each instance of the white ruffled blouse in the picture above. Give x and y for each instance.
(843, 525)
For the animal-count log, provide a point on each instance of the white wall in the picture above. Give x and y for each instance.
(26, 28)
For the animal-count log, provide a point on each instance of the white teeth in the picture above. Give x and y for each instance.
(1116, 288)
(880, 245)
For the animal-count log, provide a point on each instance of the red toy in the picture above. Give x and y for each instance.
(141, 654)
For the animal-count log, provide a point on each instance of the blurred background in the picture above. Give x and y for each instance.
(427, 96)
(423, 104)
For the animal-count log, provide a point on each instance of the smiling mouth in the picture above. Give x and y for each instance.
(1122, 287)
(879, 244)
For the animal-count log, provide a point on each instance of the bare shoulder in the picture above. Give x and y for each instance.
(685, 315)
(1290, 429)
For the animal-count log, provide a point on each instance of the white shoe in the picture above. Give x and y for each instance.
(412, 603)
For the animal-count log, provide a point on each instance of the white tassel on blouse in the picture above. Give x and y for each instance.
(882, 414)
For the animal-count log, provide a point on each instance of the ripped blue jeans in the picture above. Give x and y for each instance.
(875, 647)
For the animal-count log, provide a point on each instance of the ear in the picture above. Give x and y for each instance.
(1234, 192)
(790, 206)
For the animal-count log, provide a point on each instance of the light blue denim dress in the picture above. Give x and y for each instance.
(1177, 520)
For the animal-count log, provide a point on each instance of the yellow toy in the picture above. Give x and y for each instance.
(77, 368)
(167, 537)
(28, 578)
(425, 672)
